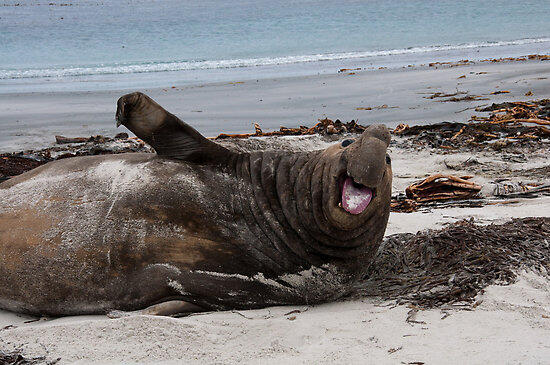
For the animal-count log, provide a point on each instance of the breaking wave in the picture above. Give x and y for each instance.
(144, 67)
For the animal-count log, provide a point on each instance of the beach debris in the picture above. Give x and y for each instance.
(16, 165)
(13, 164)
(506, 188)
(451, 64)
(518, 112)
(348, 69)
(531, 57)
(509, 124)
(496, 132)
(442, 187)
(538, 57)
(463, 98)
(453, 97)
(452, 265)
(444, 95)
(257, 130)
(384, 106)
(65, 140)
(323, 127)
(500, 92)
(400, 204)
(16, 358)
(95, 139)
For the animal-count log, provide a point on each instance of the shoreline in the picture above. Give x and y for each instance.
(389, 96)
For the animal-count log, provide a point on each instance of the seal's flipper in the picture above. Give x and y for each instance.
(170, 308)
(166, 133)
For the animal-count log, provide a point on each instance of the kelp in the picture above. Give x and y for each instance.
(437, 267)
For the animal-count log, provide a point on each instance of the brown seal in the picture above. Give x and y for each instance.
(197, 223)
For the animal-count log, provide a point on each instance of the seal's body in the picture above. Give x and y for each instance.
(196, 222)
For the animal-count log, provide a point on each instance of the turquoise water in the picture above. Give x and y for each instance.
(98, 41)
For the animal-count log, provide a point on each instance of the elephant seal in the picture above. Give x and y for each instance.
(196, 222)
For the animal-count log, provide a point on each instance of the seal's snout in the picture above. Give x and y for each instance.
(366, 165)
(366, 158)
(378, 131)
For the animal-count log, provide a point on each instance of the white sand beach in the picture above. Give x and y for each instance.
(509, 326)
(506, 325)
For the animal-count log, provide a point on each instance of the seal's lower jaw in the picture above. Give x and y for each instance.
(354, 197)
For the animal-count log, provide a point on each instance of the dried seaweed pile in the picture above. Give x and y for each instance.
(323, 127)
(16, 358)
(13, 164)
(442, 187)
(435, 189)
(509, 124)
(540, 57)
(433, 268)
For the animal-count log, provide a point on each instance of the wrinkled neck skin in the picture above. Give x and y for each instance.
(290, 202)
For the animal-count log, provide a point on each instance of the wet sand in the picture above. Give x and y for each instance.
(31, 120)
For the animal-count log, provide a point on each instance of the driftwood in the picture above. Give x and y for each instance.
(65, 140)
(452, 265)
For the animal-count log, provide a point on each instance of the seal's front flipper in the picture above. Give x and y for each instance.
(170, 308)
(168, 135)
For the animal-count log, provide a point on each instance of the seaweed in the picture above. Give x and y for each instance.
(13, 164)
(437, 267)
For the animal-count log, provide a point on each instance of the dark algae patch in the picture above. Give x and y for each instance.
(17, 358)
(437, 267)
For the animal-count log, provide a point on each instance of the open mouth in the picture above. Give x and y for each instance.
(355, 197)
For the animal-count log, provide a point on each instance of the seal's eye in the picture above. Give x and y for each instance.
(347, 142)
(388, 159)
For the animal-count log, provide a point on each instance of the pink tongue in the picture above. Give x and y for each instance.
(355, 200)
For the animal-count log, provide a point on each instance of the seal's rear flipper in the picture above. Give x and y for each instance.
(168, 135)
(169, 308)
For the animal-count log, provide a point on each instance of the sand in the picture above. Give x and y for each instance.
(30, 120)
(509, 325)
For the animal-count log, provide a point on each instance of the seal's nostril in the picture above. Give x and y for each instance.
(388, 160)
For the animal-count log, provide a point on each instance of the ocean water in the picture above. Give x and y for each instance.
(84, 44)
